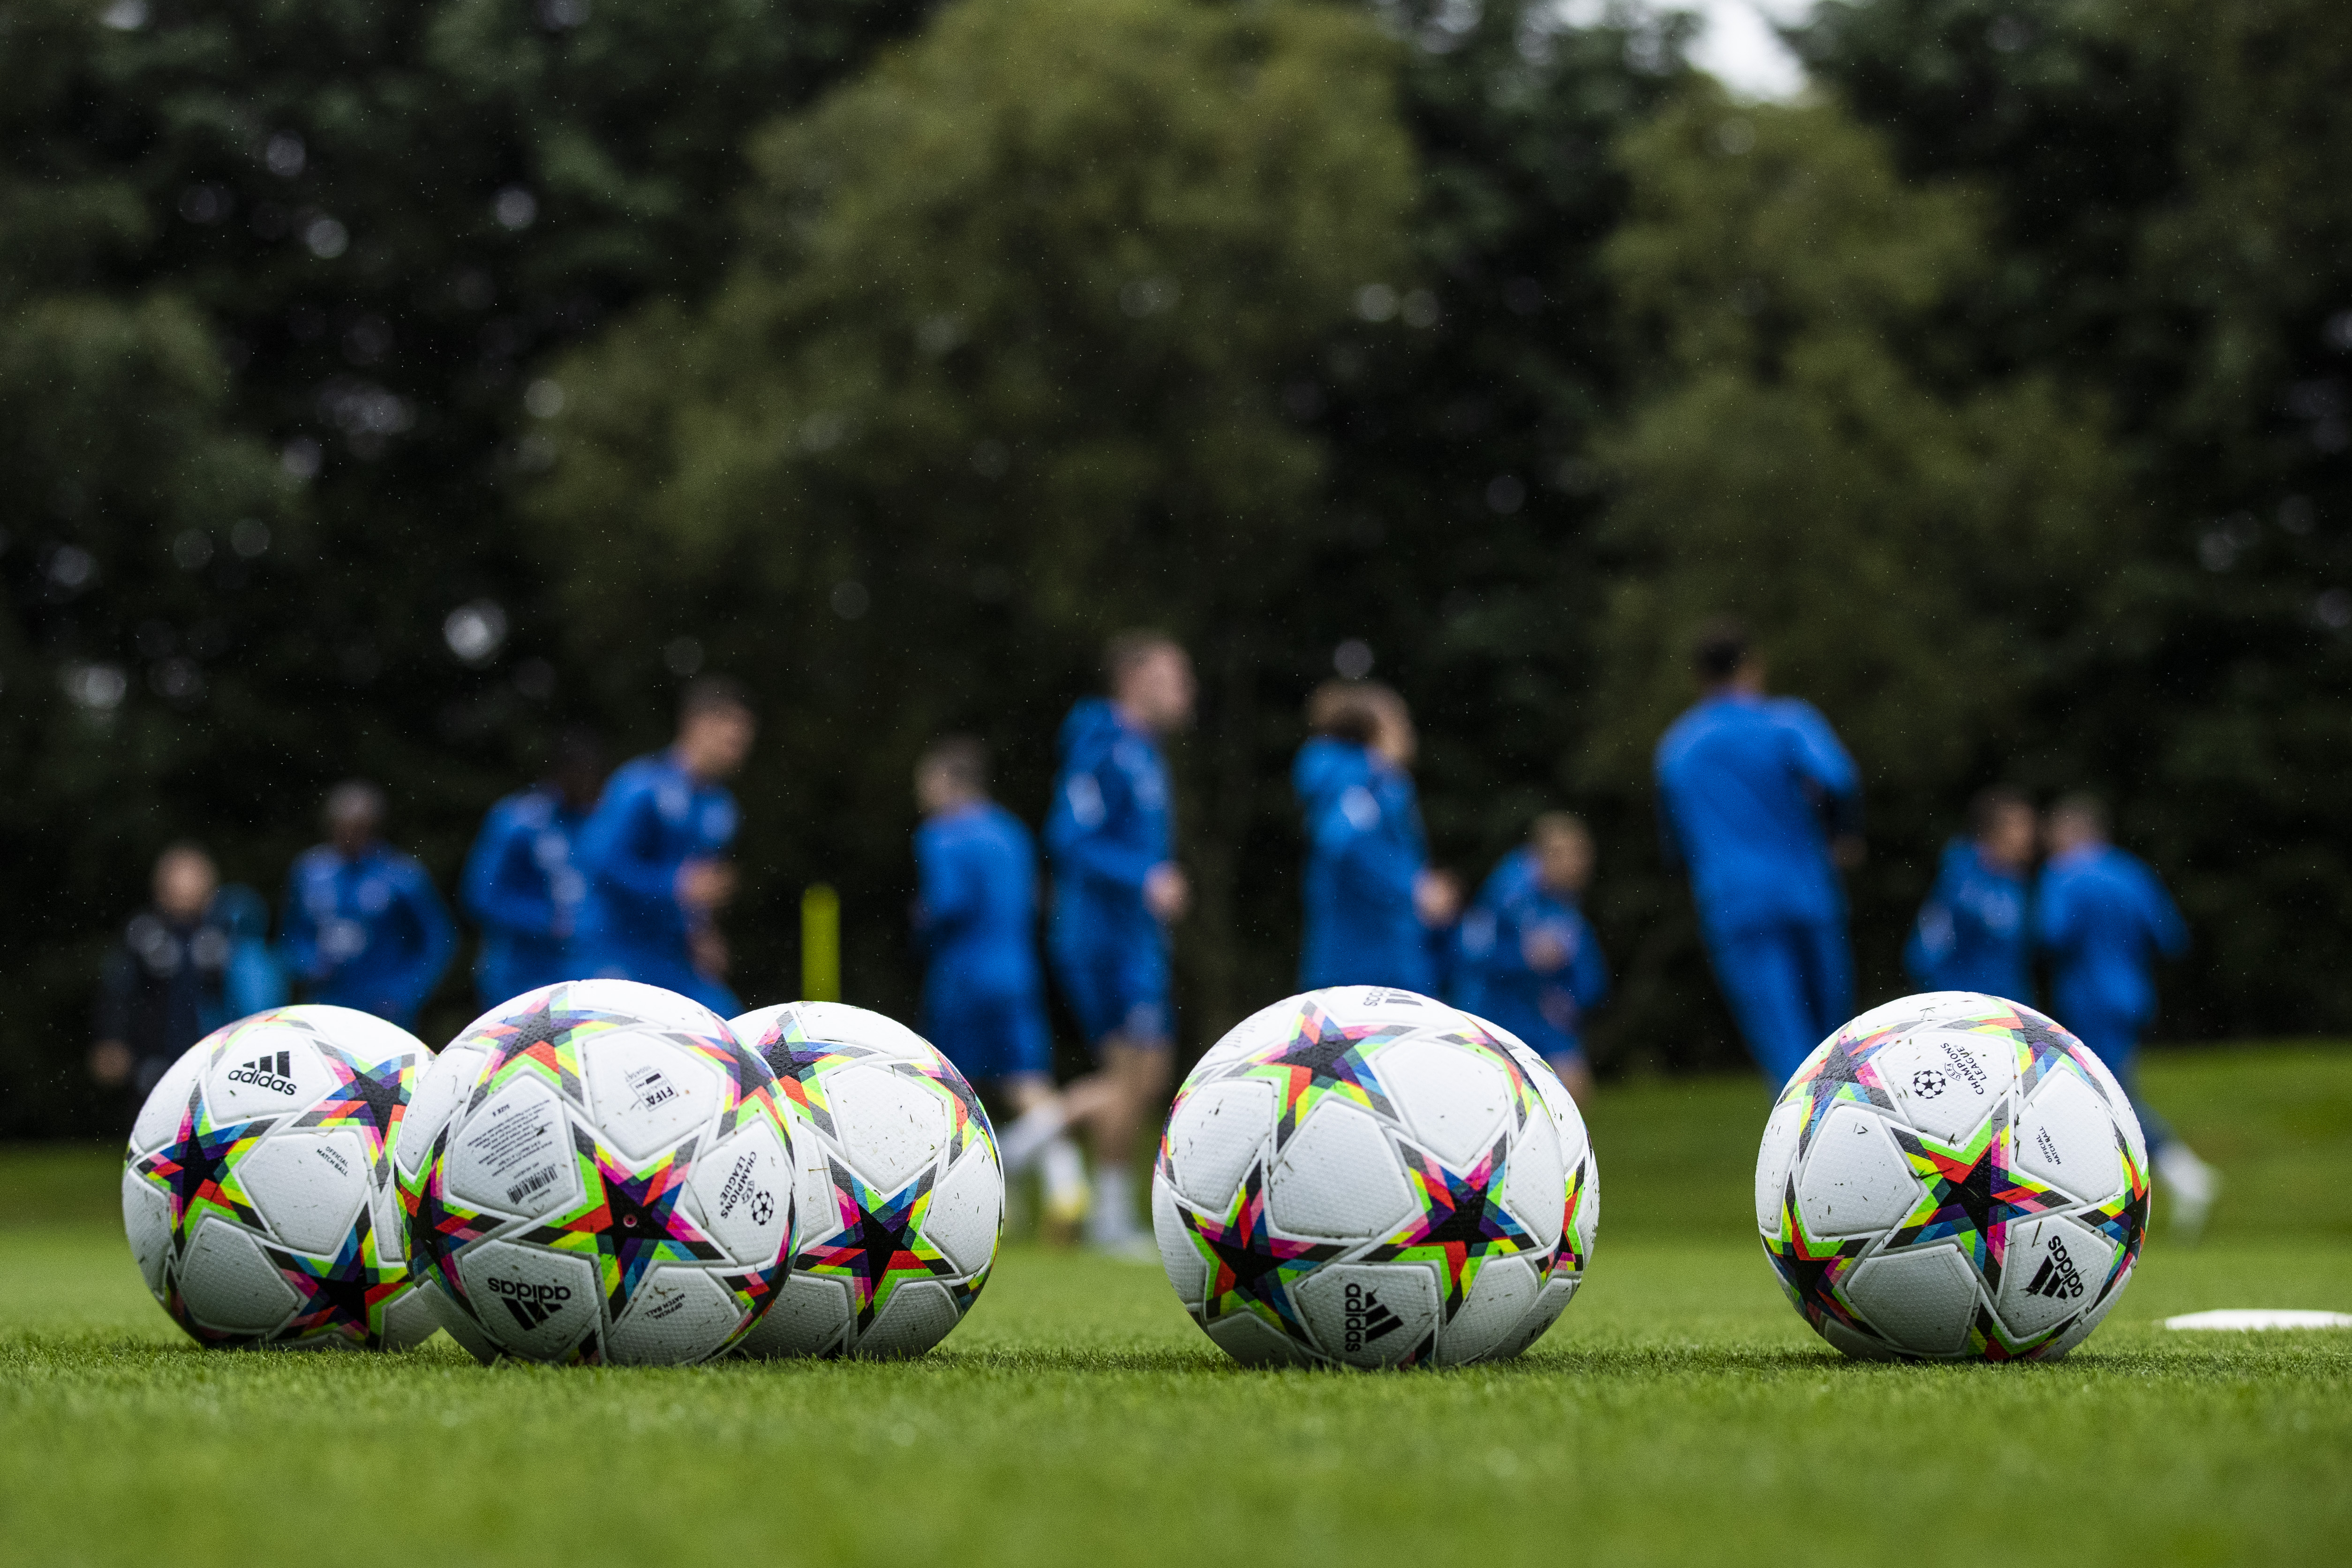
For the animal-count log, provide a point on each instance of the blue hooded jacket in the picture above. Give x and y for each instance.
(522, 885)
(2103, 918)
(976, 910)
(653, 819)
(1746, 784)
(1971, 934)
(1111, 821)
(1364, 853)
(369, 932)
(1493, 977)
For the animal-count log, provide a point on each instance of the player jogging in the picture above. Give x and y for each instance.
(1530, 960)
(976, 922)
(650, 852)
(365, 926)
(1117, 889)
(521, 881)
(1972, 932)
(1373, 907)
(2103, 918)
(1754, 793)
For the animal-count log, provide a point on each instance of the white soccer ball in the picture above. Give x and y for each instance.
(901, 1197)
(597, 1172)
(258, 1189)
(1363, 1177)
(1954, 1177)
(1580, 1202)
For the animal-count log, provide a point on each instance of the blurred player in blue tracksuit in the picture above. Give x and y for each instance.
(1761, 803)
(1375, 912)
(1117, 889)
(1971, 934)
(1530, 960)
(521, 882)
(983, 991)
(365, 926)
(651, 852)
(2102, 918)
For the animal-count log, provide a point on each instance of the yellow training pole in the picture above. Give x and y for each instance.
(820, 944)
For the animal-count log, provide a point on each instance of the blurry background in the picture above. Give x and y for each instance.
(385, 384)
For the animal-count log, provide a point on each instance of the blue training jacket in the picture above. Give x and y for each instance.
(2103, 918)
(976, 909)
(1750, 787)
(1971, 934)
(522, 884)
(653, 819)
(1364, 852)
(1493, 977)
(1111, 821)
(369, 932)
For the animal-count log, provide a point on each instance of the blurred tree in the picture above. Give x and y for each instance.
(1915, 561)
(270, 278)
(997, 371)
(2170, 233)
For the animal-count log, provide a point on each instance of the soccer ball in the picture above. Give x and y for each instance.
(256, 1190)
(1580, 1203)
(1954, 1177)
(1363, 1177)
(901, 1198)
(597, 1172)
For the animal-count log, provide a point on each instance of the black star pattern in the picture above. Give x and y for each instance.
(195, 1162)
(1840, 1077)
(337, 1294)
(377, 1092)
(1324, 1056)
(642, 1224)
(437, 1229)
(545, 1026)
(961, 1091)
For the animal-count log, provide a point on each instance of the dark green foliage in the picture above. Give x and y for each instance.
(263, 340)
(2006, 388)
(2174, 237)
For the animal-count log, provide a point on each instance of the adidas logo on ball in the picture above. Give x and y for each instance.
(1363, 1318)
(2057, 1276)
(530, 1304)
(267, 1071)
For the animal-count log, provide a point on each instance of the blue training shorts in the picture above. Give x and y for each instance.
(994, 1036)
(1118, 992)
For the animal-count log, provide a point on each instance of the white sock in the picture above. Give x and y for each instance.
(1112, 1219)
(2192, 1180)
(1030, 1133)
(1064, 1174)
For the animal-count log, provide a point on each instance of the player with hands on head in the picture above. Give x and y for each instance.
(1374, 908)
(984, 989)
(1118, 891)
(1971, 934)
(365, 926)
(522, 881)
(1761, 803)
(2104, 919)
(1529, 958)
(652, 853)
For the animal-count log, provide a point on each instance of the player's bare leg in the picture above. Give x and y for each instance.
(1039, 1135)
(1133, 1081)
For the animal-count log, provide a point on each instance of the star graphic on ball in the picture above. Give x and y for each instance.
(1250, 1268)
(1323, 1058)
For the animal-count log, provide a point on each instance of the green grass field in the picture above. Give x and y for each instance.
(1680, 1412)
